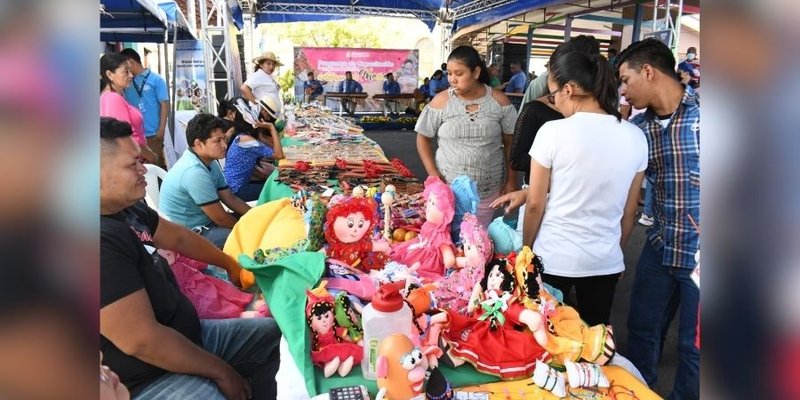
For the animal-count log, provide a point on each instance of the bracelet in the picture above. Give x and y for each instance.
(447, 394)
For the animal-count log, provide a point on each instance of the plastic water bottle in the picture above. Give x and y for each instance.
(386, 315)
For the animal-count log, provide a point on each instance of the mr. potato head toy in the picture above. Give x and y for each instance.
(402, 369)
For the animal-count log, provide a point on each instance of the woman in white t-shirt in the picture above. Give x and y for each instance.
(261, 83)
(592, 162)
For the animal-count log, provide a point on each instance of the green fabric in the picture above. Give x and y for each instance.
(494, 82)
(284, 285)
(291, 142)
(465, 375)
(274, 190)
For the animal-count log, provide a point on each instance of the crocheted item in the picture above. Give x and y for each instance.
(316, 222)
(272, 256)
(465, 192)
(549, 379)
(505, 238)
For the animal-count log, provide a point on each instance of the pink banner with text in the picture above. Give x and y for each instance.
(368, 66)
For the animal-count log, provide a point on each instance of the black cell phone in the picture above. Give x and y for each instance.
(349, 393)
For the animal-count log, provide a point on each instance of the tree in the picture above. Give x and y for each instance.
(344, 33)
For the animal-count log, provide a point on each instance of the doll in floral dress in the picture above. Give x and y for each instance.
(454, 291)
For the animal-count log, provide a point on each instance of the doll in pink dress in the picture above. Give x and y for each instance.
(331, 348)
(433, 248)
(348, 228)
(454, 291)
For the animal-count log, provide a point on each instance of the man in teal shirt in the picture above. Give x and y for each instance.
(148, 92)
(194, 189)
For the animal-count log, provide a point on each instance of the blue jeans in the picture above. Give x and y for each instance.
(648, 200)
(250, 191)
(249, 345)
(215, 234)
(653, 287)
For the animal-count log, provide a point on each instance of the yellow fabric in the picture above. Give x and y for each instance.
(621, 380)
(270, 225)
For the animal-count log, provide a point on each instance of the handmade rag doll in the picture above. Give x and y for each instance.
(331, 348)
(433, 248)
(488, 338)
(455, 290)
(348, 231)
(569, 338)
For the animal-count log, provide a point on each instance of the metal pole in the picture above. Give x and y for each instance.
(655, 14)
(637, 23)
(568, 29)
(529, 48)
(174, 87)
(678, 25)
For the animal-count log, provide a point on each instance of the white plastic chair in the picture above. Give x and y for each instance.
(151, 177)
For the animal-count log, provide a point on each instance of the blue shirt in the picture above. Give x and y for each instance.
(189, 185)
(517, 83)
(674, 171)
(445, 82)
(317, 85)
(146, 92)
(350, 86)
(425, 88)
(241, 161)
(436, 84)
(391, 87)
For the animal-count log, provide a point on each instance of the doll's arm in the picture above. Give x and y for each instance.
(461, 262)
(475, 298)
(381, 246)
(447, 256)
(535, 323)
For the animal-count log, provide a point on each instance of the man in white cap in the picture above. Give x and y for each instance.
(261, 83)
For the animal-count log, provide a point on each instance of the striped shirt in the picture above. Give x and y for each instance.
(674, 171)
(470, 143)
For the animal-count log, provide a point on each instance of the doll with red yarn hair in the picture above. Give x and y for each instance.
(348, 230)
(331, 348)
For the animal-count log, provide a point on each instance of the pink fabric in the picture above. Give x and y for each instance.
(485, 213)
(212, 297)
(113, 105)
(426, 248)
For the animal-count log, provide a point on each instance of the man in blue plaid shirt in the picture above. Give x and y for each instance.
(672, 126)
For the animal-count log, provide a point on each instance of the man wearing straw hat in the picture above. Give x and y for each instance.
(261, 83)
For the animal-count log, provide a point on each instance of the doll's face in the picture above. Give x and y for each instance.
(473, 254)
(433, 212)
(322, 323)
(495, 279)
(351, 228)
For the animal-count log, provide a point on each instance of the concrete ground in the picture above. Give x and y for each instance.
(402, 144)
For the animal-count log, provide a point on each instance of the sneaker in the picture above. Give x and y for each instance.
(646, 220)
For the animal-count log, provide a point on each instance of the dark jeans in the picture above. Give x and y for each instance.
(595, 294)
(249, 345)
(250, 191)
(653, 290)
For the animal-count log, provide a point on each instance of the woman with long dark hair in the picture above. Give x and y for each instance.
(592, 164)
(115, 77)
(473, 125)
(251, 152)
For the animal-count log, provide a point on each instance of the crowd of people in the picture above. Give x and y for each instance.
(584, 164)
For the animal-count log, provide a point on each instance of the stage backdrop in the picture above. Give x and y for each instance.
(367, 65)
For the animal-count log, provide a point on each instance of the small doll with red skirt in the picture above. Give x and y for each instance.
(331, 348)
(349, 224)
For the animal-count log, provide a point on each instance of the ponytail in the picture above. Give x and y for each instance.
(605, 86)
(592, 72)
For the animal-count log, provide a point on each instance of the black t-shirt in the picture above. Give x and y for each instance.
(534, 114)
(129, 262)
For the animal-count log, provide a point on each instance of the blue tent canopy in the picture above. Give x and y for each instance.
(503, 11)
(142, 21)
(301, 10)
